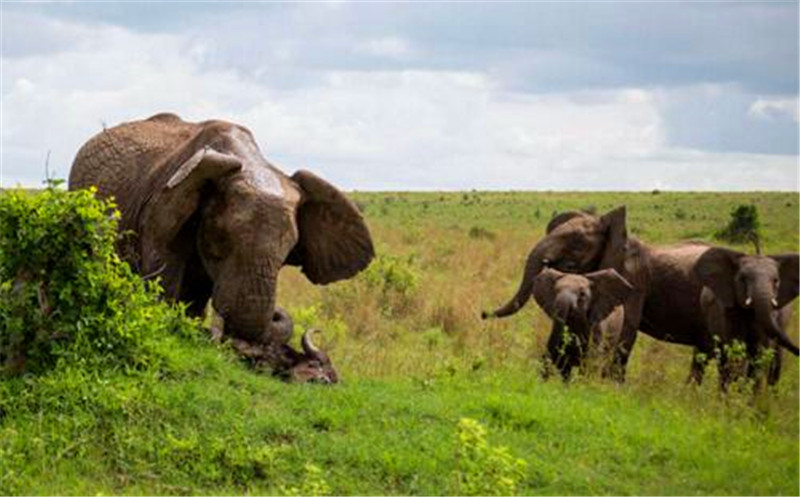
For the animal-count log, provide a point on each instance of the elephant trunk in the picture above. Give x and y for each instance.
(282, 325)
(563, 306)
(247, 304)
(255, 320)
(766, 317)
(532, 268)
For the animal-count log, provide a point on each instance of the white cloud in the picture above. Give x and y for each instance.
(389, 46)
(35, 35)
(404, 129)
(766, 108)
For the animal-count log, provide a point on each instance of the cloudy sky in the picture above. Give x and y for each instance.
(400, 96)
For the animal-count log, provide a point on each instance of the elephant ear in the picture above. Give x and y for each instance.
(615, 227)
(561, 219)
(789, 271)
(544, 289)
(609, 289)
(716, 269)
(181, 193)
(333, 240)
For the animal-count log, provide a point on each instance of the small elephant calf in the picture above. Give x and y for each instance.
(587, 314)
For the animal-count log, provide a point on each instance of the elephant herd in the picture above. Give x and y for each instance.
(602, 287)
(210, 217)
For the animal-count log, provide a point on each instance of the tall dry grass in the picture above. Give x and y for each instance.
(468, 256)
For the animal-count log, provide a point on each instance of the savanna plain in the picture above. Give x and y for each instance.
(432, 400)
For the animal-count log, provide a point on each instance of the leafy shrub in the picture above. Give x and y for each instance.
(478, 232)
(449, 317)
(214, 460)
(311, 317)
(391, 274)
(743, 227)
(434, 337)
(412, 235)
(313, 483)
(65, 295)
(481, 468)
(386, 288)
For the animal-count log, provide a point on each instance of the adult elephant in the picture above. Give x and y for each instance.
(747, 298)
(665, 300)
(214, 219)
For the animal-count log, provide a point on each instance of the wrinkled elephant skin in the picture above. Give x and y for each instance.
(212, 218)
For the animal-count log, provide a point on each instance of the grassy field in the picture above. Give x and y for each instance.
(415, 360)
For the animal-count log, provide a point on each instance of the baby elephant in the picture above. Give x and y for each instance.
(746, 299)
(587, 314)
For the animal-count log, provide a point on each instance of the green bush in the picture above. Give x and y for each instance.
(481, 468)
(313, 483)
(479, 232)
(743, 227)
(393, 282)
(311, 317)
(65, 295)
(392, 274)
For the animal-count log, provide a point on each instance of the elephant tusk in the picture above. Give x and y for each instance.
(748, 302)
(775, 302)
(155, 273)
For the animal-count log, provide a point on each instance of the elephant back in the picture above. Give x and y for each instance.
(124, 162)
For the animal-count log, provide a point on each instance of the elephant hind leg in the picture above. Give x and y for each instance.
(622, 352)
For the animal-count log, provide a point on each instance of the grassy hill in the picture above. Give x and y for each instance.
(416, 360)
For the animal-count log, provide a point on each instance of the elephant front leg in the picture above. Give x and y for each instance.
(764, 367)
(732, 365)
(563, 351)
(774, 373)
(195, 288)
(698, 368)
(553, 358)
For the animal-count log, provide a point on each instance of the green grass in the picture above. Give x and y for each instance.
(213, 427)
(415, 359)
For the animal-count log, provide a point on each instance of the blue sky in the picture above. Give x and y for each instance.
(567, 96)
